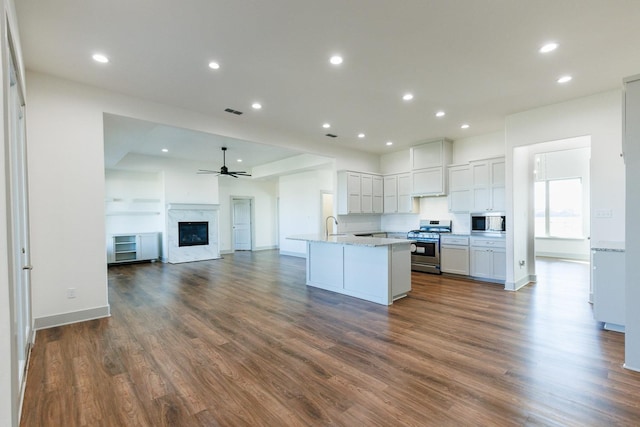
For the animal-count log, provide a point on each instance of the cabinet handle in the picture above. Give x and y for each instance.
(27, 267)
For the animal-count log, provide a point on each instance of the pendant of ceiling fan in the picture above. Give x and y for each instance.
(224, 170)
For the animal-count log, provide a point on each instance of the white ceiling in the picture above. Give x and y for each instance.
(476, 59)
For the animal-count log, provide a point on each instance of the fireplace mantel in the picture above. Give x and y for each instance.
(192, 207)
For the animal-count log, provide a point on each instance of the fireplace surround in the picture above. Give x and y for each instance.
(192, 232)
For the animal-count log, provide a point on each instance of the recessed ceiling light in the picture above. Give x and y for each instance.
(336, 59)
(239, 160)
(214, 65)
(164, 150)
(361, 135)
(407, 96)
(440, 114)
(256, 106)
(98, 57)
(564, 79)
(389, 142)
(549, 47)
(326, 125)
(464, 126)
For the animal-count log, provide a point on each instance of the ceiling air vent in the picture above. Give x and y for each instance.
(229, 110)
(331, 135)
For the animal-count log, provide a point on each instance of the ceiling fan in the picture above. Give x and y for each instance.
(224, 170)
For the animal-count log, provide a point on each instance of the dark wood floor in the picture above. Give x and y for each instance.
(243, 342)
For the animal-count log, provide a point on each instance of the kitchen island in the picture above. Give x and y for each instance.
(370, 268)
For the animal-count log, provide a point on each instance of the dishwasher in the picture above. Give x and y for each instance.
(454, 254)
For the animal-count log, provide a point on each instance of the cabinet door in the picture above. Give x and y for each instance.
(428, 181)
(366, 193)
(405, 203)
(353, 190)
(499, 261)
(481, 262)
(148, 245)
(378, 194)
(460, 201)
(427, 155)
(390, 194)
(459, 177)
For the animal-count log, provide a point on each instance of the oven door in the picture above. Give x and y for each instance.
(425, 256)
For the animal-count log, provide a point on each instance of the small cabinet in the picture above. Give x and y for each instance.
(459, 188)
(488, 259)
(488, 179)
(133, 247)
(428, 167)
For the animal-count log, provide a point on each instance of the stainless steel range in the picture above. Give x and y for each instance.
(425, 252)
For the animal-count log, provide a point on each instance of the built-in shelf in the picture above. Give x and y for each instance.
(117, 213)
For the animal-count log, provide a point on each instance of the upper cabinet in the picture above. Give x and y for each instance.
(460, 188)
(359, 193)
(428, 167)
(397, 194)
(488, 178)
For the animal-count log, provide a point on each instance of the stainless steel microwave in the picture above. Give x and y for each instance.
(488, 222)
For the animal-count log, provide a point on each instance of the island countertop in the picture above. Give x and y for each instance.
(350, 239)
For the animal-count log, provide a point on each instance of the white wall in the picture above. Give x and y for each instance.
(264, 219)
(128, 194)
(301, 207)
(599, 116)
(478, 147)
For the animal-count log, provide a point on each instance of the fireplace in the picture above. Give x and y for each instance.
(193, 233)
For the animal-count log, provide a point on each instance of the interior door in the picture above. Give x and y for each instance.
(241, 224)
(19, 217)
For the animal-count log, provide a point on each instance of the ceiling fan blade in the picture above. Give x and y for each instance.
(205, 171)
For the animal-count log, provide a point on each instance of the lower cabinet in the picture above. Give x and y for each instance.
(488, 259)
(133, 247)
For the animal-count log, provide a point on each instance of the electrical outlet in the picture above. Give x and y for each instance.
(71, 293)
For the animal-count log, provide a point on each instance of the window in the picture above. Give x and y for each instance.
(558, 208)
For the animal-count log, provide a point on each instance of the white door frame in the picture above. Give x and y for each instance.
(251, 218)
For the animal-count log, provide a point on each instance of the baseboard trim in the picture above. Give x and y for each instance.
(515, 286)
(295, 254)
(72, 317)
(564, 255)
(265, 248)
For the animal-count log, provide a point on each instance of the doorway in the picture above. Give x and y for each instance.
(242, 224)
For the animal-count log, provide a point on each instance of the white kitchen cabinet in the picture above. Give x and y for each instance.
(488, 259)
(366, 193)
(429, 181)
(460, 188)
(488, 180)
(398, 196)
(133, 247)
(428, 166)
(454, 254)
(377, 196)
(348, 192)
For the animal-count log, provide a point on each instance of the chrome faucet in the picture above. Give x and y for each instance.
(326, 225)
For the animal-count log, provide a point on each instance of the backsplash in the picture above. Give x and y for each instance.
(355, 223)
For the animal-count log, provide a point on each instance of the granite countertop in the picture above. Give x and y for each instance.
(607, 246)
(350, 239)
